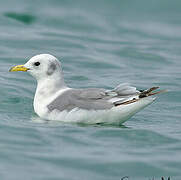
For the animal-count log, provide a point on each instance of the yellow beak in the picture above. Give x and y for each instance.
(18, 68)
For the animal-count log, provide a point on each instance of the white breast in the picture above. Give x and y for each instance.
(43, 97)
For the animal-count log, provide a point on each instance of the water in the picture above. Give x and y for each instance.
(100, 44)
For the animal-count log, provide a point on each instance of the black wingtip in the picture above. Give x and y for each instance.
(150, 92)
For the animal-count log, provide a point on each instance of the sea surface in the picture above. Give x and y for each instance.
(100, 44)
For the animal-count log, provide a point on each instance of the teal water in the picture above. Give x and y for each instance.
(100, 44)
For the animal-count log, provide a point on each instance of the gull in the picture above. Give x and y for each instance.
(54, 100)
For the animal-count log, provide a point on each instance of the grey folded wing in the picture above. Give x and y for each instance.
(90, 99)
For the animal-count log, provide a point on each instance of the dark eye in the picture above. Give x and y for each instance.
(37, 63)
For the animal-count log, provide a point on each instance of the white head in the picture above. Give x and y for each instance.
(42, 67)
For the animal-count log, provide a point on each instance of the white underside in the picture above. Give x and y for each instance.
(116, 115)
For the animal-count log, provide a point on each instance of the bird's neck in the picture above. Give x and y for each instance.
(49, 86)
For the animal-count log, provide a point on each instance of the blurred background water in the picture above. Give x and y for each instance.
(100, 44)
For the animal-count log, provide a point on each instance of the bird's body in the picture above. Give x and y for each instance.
(54, 100)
